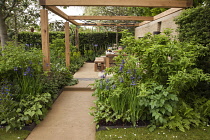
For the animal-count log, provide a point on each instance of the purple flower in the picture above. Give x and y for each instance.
(28, 69)
(132, 77)
(103, 76)
(129, 71)
(123, 61)
(121, 68)
(121, 80)
(133, 83)
(107, 87)
(15, 68)
(114, 86)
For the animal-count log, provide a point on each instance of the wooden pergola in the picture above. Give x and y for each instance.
(51, 5)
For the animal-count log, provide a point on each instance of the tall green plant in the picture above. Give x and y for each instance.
(149, 83)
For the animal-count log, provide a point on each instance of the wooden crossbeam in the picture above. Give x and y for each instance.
(108, 24)
(110, 18)
(60, 13)
(128, 3)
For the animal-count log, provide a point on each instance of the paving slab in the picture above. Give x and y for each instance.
(69, 117)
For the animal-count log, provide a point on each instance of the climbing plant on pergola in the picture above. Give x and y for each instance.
(51, 5)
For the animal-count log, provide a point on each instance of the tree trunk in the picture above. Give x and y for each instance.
(3, 30)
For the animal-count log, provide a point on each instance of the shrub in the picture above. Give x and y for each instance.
(151, 82)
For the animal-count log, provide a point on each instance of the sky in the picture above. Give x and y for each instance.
(72, 10)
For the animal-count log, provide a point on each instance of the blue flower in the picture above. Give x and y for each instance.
(103, 76)
(121, 80)
(25, 73)
(121, 68)
(132, 77)
(15, 68)
(133, 83)
(114, 86)
(28, 69)
(129, 71)
(107, 87)
(123, 61)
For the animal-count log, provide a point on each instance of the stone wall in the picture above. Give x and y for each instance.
(162, 21)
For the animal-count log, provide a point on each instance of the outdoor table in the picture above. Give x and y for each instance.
(109, 59)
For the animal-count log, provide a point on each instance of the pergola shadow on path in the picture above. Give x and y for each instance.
(52, 6)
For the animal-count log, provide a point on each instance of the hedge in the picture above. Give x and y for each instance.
(88, 41)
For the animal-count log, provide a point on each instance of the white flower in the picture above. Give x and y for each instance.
(164, 133)
(18, 137)
(124, 128)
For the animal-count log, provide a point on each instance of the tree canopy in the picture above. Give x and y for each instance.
(16, 15)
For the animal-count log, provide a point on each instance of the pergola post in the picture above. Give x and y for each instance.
(77, 37)
(67, 44)
(45, 39)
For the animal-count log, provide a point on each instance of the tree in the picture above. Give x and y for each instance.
(14, 15)
(122, 11)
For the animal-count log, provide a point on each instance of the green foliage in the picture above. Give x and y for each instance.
(15, 58)
(28, 110)
(26, 92)
(153, 82)
(193, 25)
(96, 42)
(57, 53)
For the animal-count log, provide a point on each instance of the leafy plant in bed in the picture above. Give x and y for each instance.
(151, 84)
(25, 94)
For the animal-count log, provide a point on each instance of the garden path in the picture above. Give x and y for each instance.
(69, 119)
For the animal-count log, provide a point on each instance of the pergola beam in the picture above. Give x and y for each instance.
(111, 18)
(108, 24)
(60, 13)
(127, 3)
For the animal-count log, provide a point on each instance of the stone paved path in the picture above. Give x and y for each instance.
(69, 118)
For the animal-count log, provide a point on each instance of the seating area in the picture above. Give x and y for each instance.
(104, 62)
(99, 64)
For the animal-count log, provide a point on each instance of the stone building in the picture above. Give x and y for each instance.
(160, 23)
